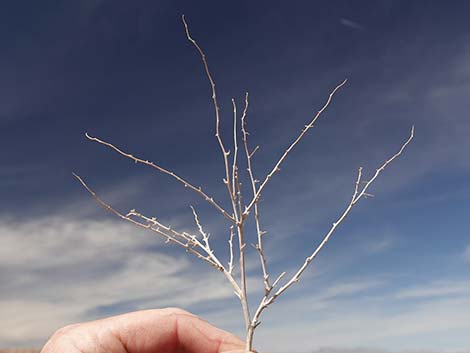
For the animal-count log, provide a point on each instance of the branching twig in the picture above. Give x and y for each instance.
(157, 229)
(383, 166)
(210, 253)
(357, 194)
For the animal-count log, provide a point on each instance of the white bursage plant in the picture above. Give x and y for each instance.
(199, 245)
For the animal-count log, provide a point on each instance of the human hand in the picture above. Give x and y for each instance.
(168, 330)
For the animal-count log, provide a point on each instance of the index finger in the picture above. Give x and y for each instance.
(170, 330)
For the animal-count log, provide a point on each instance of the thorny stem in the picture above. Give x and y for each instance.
(186, 183)
(244, 298)
(230, 244)
(205, 236)
(259, 232)
(239, 218)
(287, 151)
(235, 149)
(357, 195)
(225, 153)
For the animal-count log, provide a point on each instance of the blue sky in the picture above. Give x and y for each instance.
(396, 274)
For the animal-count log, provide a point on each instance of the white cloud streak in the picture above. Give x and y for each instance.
(436, 289)
(351, 24)
(466, 254)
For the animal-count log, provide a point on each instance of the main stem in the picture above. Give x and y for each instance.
(253, 324)
(249, 338)
(243, 294)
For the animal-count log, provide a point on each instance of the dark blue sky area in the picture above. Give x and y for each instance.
(123, 70)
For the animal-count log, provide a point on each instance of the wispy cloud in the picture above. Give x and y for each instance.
(379, 245)
(351, 24)
(466, 254)
(436, 289)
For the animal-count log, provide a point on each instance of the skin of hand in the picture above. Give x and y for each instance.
(168, 330)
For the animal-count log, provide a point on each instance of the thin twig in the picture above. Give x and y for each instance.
(207, 248)
(254, 151)
(225, 153)
(239, 197)
(286, 152)
(235, 148)
(230, 244)
(259, 232)
(205, 236)
(157, 223)
(295, 278)
(186, 183)
(276, 281)
(383, 166)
